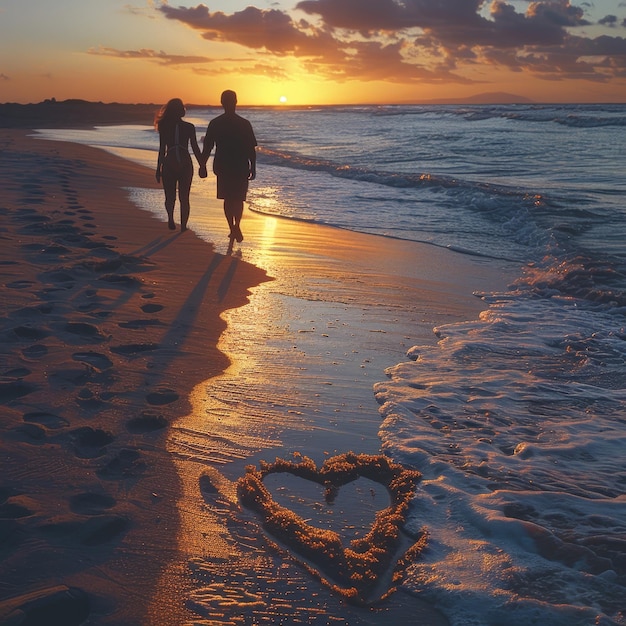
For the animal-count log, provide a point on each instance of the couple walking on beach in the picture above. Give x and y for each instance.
(234, 163)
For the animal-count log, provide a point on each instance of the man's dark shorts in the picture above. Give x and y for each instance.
(232, 187)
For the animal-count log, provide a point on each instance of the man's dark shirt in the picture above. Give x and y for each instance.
(234, 143)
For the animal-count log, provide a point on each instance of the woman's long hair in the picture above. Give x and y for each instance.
(169, 114)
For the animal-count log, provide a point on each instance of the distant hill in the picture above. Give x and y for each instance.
(74, 113)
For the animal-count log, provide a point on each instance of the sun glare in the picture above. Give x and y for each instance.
(283, 99)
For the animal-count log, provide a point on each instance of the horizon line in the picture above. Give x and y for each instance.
(476, 99)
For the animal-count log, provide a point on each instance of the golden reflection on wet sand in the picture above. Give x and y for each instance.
(305, 352)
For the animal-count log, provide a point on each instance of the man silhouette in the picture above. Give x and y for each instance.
(234, 163)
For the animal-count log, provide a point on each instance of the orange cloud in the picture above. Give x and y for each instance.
(230, 67)
(151, 55)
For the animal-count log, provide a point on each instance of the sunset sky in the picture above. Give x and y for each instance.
(312, 51)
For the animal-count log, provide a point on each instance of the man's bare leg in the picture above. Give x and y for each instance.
(233, 209)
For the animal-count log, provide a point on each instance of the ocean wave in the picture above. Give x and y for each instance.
(515, 420)
(380, 177)
(598, 282)
(578, 121)
(587, 116)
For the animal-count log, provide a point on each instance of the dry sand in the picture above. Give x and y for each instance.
(108, 321)
(124, 423)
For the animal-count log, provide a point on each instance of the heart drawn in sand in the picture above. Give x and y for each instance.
(355, 569)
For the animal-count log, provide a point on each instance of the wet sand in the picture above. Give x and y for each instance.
(142, 370)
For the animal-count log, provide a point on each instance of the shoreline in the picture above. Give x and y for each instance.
(302, 324)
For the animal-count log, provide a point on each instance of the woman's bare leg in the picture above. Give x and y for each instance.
(169, 187)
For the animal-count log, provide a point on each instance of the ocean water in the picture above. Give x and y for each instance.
(517, 420)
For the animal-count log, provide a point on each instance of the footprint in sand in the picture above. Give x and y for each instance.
(103, 529)
(146, 423)
(18, 372)
(46, 419)
(31, 247)
(152, 308)
(13, 510)
(30, 333)
(50, 228)
(87, 307)
(83, 330)
(87, 301)
(121, 280)
(32, 217)
(89, 443)
(27, 214)
(78, 240)
(60, 605)
(29, 433)
(91, 532)
(13, 389)
(97, 360)
(126, 464)
(89, 400)
(90, 503)
(36, 351)
(71, 202)
(36, 426)
(55, 250)
(161, 397)
(59, 278)
(32, 313)
(20, 284)
(35, 188)
(33, 195)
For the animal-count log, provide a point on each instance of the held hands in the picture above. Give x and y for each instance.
(202, 171)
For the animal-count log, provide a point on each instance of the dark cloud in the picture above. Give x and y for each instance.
(598, 59)
(608, 20)
(270, 30)
(376, 61)
(452, 20)
(391, 15)
(416, 40)
(600, 46)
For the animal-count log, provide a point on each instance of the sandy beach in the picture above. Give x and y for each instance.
(143, 370)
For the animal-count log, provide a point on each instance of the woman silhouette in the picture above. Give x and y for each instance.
(174, 165)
